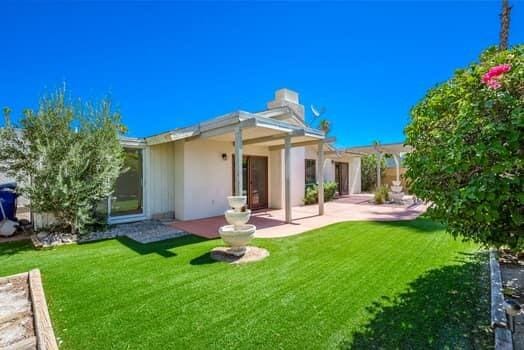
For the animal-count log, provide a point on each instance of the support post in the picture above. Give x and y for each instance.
(396, 157)
(287, 177)
(238, 161)
(379, 161)
(320, 178)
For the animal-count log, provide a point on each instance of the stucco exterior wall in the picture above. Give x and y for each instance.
(207, 178)
(354, 178)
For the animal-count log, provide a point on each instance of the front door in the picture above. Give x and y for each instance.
(342, 177)
(254, 181)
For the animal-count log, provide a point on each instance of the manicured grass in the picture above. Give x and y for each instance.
(361, 285)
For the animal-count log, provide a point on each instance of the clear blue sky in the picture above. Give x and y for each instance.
(173, 64)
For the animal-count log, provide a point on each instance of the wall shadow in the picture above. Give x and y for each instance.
(446, 308)
(162, 248)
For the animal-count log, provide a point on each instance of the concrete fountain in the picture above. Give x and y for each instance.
(237, 235)
(396, 194)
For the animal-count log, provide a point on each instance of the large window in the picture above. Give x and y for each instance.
(127, 196)
(311, 172)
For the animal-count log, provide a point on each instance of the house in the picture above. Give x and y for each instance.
(268, 156)
(187, 173)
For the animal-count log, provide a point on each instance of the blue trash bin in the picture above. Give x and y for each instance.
(8, 200)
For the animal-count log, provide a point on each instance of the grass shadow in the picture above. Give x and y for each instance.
(204, 259)
(162, 248)
(16, 247)
(446, 308)
(419, 224)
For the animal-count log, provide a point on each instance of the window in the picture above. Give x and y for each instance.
(311, 172)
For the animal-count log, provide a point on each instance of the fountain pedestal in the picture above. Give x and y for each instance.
(396, 193)
(238, 233)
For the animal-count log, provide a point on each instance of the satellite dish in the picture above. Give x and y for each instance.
(317, 112)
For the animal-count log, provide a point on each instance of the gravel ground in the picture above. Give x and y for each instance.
(513, 281)
(16, 317)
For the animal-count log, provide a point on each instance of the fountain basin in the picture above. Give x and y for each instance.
(396, 189)
(396, 183)
(397, 197)
(237, 237)
(237, 202)
(237, 218)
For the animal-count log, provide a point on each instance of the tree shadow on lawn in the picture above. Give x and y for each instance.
(422, 225)
(16, 247)
(162, 248)
(446, 308)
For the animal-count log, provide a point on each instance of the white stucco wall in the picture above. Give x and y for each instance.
(354, 178)
(207, 178)
(276, 176)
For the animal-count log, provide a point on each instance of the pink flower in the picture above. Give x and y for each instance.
(491, 78)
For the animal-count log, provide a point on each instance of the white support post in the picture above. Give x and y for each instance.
(379, 161)
(287, 177)
(238, 161)
(396, 157)
(320, 178)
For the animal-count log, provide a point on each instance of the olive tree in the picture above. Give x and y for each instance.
(468, 158)
(65, 155)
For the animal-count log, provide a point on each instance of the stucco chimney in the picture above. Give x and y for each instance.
(287, 98)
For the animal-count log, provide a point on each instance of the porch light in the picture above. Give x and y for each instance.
(224, 156)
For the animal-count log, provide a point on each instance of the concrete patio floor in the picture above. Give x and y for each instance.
(270, 223)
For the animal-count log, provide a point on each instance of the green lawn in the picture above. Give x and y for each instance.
(405, 285)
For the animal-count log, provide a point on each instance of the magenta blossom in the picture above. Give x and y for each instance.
(491, 78)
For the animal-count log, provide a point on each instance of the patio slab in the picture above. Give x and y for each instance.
(271, 223)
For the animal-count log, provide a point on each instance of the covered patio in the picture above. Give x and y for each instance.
(272, 223)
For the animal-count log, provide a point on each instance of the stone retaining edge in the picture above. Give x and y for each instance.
(499, 321)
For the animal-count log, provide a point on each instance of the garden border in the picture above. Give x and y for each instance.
(499, 321)
(45, 336)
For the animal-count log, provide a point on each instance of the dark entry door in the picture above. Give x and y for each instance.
(254, 181)
(342, 177)
(257, 185)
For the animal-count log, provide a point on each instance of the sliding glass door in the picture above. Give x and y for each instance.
(127, 198)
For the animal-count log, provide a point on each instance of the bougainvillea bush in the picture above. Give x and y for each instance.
(468, 158)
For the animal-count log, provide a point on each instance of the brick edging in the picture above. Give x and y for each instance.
(45, 336)
(499, 321)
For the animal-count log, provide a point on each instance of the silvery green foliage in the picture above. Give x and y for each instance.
(66, 157)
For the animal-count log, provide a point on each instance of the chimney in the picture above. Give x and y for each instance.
(287, 98)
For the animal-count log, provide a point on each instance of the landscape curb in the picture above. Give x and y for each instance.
(45, 336)
(499, 321)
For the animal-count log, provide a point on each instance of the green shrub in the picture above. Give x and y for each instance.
(382, 194)
(311, 196)
(468, 140)
(70, 152)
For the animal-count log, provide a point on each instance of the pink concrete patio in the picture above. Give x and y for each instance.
(271, 224)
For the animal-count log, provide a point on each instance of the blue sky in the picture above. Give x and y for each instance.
(173, 64)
